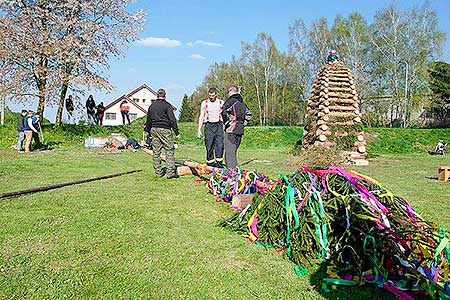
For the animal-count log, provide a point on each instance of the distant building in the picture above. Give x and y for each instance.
(139, 100)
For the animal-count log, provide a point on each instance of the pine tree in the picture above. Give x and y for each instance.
(186, 112)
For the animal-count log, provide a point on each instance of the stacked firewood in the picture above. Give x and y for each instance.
(333, 109)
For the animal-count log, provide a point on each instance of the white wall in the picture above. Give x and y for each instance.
(142, 94)
(116, 109)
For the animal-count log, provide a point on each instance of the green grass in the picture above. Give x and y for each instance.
(380, 141)
(399, 140)
(139, 237)
(64, 135)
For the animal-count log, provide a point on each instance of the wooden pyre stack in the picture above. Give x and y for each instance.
(333, 110)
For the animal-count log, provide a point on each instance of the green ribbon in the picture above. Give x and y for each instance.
(291, 211)
(258, 243)
(443, 243)
(374, 259)
(320, 225)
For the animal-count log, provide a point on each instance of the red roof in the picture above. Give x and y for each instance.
(140, 88)
(125, 97)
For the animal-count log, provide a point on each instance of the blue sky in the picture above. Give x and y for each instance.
(183, 38)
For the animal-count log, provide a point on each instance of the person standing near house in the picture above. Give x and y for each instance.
(69, 107)
(235, 115)
(20, 123)
(211, 116)
(90, 107)
(160, 123)
(125, 111)
(28, 129)
(100, 113)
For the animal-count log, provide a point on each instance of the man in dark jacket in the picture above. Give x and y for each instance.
(37, 124)
(69, 107)
(160, 123)
(90, 108)
(235, 115)
(20, 120)
(100, 113)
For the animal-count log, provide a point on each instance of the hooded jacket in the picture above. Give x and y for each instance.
(235, 114)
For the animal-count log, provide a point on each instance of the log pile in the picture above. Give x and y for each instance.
(333, 110)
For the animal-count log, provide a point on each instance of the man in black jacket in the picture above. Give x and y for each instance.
(20, 120)
(160, 124)
(90, 107)
(235, 115)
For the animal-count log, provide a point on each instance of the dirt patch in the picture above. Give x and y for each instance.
(4, 152)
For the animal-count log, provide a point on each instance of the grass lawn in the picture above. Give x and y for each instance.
(139, 237)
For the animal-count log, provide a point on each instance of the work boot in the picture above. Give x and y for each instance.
(172, 176)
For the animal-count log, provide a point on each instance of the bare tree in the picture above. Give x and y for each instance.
(64, 43)
(405, 41)
(299, 70)
(351, 37)
(253, 66)
(320, 42)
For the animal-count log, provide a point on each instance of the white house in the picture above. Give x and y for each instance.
(139, 100)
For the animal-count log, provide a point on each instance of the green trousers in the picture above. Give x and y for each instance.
(162, 138)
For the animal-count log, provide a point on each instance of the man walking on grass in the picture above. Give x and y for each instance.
(211, 116)
(160, 123)
(235, 115)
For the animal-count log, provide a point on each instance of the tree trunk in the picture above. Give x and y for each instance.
(273, 105)
(41, 80)
(41, 104)
(3, 94)
(266, 101)
(257, 95)
(259, 104)
(62, 97)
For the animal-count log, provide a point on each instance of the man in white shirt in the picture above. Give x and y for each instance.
(211, 116)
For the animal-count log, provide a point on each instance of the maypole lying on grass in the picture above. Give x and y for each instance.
(367, 234)
(60, 185)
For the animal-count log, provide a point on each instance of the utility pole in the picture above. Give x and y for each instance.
(405, 123)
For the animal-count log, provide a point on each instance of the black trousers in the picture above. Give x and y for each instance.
(214, 142)
(232, 142)
(125, 114)
(37, 141)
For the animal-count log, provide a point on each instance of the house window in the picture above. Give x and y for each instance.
(110, 116)
(143, 100)
(136, 100)
(133, 117)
